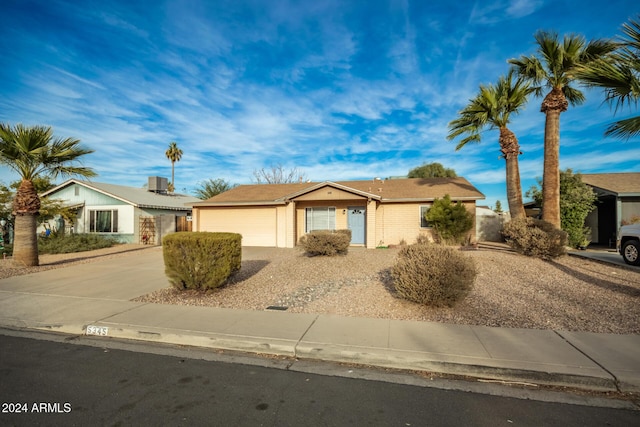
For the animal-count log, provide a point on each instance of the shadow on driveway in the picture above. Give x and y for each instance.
(615, 287)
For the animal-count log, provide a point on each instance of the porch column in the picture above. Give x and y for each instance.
(290, 224)
(370, 240)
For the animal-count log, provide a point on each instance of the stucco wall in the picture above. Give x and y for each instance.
(400, 222)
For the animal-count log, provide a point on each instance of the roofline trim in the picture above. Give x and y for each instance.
(431, 199)
(231, 204)
(84, 184)
(330, 184)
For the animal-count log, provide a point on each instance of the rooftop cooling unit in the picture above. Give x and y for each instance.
(158, 184)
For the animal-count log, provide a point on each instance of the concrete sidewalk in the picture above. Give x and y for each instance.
(97, 295)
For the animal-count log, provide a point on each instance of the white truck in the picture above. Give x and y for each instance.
(629, 243)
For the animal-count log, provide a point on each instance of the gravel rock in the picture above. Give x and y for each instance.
(511, 290)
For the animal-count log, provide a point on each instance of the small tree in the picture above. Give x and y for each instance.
(451, 221)
(212, 187)
(498, 208)
(577, 199)
(431, 170)
(276, 174)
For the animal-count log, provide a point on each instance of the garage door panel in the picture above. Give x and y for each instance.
(257, 225)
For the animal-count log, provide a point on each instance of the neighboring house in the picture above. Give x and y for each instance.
(489, 224)
(132, 215)
(618, 201)
(378, 212)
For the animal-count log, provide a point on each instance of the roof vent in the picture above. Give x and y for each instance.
(158, 184)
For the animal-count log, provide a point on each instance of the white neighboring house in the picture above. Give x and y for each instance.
(129, 214)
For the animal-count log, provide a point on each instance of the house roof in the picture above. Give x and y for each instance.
(138, 197)
(392, 190)
(618, 184)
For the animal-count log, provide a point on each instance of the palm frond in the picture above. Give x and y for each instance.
(624, 129)
(490, 109)
(32, 152)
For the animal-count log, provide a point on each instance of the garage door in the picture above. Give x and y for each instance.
(257, 225)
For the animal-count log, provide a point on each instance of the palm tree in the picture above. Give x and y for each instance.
(33, 153)
(554, 68)
(619, 75)
(492, 107)
(174, 154)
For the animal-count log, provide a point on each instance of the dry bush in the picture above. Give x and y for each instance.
(433, 275)
(201, 260)
(534, 237)
(326, 242)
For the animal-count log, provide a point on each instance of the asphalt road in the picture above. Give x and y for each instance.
(63, 383)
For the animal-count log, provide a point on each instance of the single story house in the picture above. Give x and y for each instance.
(131, 215)
(378, 212)
(618, 201)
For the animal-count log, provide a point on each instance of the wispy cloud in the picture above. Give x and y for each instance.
(341, 90)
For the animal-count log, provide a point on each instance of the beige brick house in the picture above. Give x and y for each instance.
(378, 212)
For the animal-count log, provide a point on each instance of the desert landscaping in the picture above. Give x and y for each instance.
(511, 290)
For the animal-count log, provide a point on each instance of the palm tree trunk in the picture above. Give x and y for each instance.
(173, 182)
(551, 171)
(26, 206)
(25, 239)
(510, 151)
(554, 103)
(514, 189)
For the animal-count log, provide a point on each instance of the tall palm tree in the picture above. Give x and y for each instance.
(33, 153)
(492, 108)
(174, 154)
(619, 75)
(554, 69)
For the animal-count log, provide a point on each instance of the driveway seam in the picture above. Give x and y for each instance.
(616, 382)
(121, 312)
(295, 347)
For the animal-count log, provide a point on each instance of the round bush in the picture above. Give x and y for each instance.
(326, 242)
(534, 237)
(201, 260)
(433, 275)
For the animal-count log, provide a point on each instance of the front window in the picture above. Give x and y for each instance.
(103, 221)
(423, 220)
(322, 218)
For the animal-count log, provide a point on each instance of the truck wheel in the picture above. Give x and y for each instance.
(631, 252)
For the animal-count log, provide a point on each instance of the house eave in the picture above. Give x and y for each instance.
(239, 204)
(431, 199)
(168, 208)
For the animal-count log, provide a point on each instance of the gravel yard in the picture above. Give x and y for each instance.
(511, 290)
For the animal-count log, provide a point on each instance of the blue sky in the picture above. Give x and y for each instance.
(339, 89)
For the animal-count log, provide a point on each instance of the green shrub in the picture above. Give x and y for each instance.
(326, 242)
(201, 260)
(58, 243)
(534, 237)
(433, 275)
(451, 221)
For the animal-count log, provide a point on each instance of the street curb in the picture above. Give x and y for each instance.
(383, 358)
(416, 361)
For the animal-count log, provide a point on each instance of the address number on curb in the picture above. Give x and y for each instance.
(97, 330)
